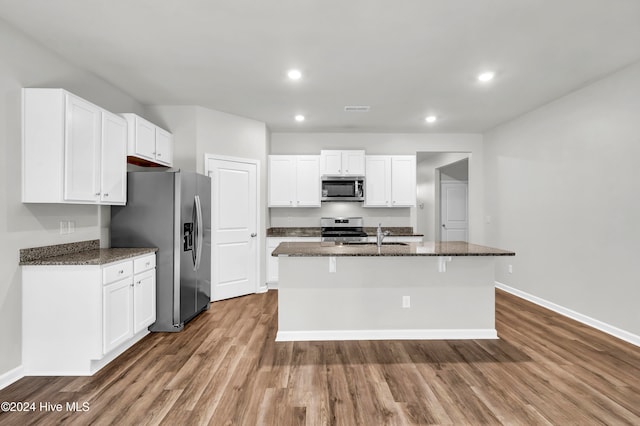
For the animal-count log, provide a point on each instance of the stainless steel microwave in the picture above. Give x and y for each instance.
(343, 188)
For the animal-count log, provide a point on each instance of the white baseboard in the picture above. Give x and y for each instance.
(318, 335)
(262, 289)
(591, 322)
(11, 376)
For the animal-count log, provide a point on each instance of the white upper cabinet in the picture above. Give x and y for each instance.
(72, 150)
(390, 181)
(148, 142)
(294, 181)
(342, 163)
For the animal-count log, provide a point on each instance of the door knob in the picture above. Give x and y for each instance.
(444, 226)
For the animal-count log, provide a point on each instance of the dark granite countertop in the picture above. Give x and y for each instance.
(449, 248)
(394, 231)
(80, 253)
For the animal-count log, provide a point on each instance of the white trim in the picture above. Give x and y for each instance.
(11, 376)
(259, 231)
(443, 334)
(591, 322)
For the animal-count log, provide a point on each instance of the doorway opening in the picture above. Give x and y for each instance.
(433, 170)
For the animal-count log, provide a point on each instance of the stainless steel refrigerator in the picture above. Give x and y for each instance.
(171, 210)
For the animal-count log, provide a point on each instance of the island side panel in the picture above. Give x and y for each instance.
(363, 298)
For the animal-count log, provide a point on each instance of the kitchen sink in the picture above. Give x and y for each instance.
(364, 243)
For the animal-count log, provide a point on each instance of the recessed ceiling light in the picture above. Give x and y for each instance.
(294, 74)
(486, 76)
(431, 119)
(299, 118)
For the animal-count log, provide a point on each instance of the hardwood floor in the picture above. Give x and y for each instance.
(226, 368)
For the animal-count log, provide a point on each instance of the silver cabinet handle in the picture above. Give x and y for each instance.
(121, 271)
(106, 194)
(97, 194)
(253, 235)
(159, 154)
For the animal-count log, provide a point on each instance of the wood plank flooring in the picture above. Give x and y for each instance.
(226, 369)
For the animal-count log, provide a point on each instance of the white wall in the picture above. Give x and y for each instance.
(563, 192)
(26, 64)
(382, 143)
(181, 121)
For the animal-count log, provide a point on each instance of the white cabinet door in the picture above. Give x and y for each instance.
(82, 151)
(144, 300)
(113, 168)
(145, 139)
(377, 181)
(117, 313)
(353, 163)
(282, 180)
(164, 147)
(403, 181)
(342, 163)
(308, 181)
(330, 162)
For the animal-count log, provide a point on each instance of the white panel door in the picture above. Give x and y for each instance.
(82, 150)
(454, 211)
(234, 268)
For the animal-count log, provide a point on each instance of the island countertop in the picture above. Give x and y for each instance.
(427, 248)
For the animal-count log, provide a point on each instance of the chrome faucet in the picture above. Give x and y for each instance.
(380, 235)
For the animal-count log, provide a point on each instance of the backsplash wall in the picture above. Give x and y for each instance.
(310, 217)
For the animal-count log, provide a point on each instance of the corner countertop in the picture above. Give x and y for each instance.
(80, 253)
(284, 232)
(428, 248)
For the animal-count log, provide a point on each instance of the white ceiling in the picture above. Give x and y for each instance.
(404, 58)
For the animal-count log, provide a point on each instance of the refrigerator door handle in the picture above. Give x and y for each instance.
(199, 233)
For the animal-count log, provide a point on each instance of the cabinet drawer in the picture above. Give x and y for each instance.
(117, 272)
(144, 263)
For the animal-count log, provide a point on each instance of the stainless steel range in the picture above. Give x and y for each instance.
(342, 229)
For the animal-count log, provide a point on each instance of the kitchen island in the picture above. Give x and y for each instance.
(428, 290)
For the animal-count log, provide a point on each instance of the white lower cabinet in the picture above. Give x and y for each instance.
(129, 303)
(77, 318)
(272, 262)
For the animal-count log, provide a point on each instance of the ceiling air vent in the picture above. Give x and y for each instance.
(357, 108)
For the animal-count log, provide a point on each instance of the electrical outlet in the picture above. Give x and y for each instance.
(71, 226)
(64, 227)
(510, 269)
(406, 301)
